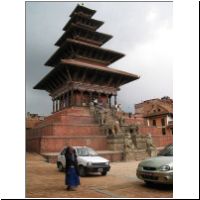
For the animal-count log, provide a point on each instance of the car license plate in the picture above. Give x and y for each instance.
(100, 170)
(148, 174)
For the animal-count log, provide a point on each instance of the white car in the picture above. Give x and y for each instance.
(88, 161)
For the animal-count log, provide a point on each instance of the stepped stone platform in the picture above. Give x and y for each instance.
(76, 126)
(71, 126)
(112, 156)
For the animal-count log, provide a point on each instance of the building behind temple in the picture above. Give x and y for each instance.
(157, 117)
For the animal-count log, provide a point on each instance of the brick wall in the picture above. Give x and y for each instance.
(158, 138)
(72, 126)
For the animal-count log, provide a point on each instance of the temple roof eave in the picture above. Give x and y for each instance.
(102, 36)
(83, 9)
(45, 83)
(96, 67)
(53, 59)
(97, 23)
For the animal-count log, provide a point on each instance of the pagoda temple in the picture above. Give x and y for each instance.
(80, 65)
(80, 75)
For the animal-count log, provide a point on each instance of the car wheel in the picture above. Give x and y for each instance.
(60, 167)
(104, 173)
(82, 171)
(149, 183)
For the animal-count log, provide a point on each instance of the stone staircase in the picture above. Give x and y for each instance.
(119, 137)
(81, 126)
(140, 154)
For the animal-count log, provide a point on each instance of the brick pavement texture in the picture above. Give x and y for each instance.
(44, 181)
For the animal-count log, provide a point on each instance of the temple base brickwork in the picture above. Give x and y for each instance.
(100, 128)
(72, 126)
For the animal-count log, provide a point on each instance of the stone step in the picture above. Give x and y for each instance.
(68, 119)
(112, 156)
(66, 130)
(71, 119)
(140, 155)
(73, 111)
(56, 143)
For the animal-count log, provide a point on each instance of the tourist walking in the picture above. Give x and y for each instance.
(71, 170)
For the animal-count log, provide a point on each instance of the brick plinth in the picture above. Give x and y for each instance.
(55, 144)
(112, 156)
(73, 126)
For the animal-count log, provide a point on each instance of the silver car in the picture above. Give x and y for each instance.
(158, 169)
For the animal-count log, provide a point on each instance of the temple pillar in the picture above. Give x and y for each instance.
(60, 102)
(56, 104)
(90, 97)
(65, 99)
(115, 99)
(99, 99)
(72, 98)
(81, 97)
(53, 100)
(109, 100)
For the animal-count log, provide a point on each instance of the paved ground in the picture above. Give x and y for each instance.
(44, 180)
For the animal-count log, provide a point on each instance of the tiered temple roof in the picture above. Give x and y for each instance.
(80, 63)
(83, 34)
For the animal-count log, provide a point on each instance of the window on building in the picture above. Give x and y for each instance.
(154, 122)
(163, 131)
(163, 122)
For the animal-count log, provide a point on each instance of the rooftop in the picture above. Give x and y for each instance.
(82, 9)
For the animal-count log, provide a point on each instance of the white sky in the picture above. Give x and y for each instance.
(141, 30)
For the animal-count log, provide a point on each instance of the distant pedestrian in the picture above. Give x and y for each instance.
(119, 107)
(71, 170)
(95, 101)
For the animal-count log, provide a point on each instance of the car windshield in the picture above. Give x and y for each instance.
(167, 151)
(86, 152)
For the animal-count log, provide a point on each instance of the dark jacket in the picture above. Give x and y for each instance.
(71, 160)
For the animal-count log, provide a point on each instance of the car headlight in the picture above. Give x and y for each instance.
(165, 168)
(107, 163)
(139, 167)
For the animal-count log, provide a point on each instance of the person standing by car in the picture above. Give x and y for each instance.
(71, 170)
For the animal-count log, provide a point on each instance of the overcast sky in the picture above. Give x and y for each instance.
(141, 30)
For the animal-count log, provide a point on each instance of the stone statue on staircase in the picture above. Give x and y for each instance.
(150, 147)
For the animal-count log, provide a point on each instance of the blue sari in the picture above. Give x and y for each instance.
(71, 177)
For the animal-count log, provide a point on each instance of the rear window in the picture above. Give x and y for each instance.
(167, 151)
(86, 152)
(63, 151)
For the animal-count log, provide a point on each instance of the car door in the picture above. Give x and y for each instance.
(62, 157)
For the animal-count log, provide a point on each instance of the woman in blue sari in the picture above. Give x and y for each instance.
(71, 170)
